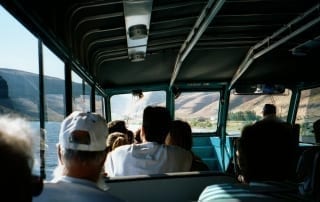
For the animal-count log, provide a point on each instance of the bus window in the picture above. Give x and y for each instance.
(18, 64)
(246, 109)
(129, 107)
(308, 112)
(99, 103)
(19, 74)
(199, 109)
(53, 69)
(80, 94)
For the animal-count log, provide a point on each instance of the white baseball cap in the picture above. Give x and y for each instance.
(84, 131)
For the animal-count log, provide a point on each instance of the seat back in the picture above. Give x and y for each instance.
(305, 166)
(315, 180)
(269, 151)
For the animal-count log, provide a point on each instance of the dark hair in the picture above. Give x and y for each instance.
(117, 126)
(156, 123)
(130, 136)
(137, 136)
(316, 126)
(115, 140)
(316, 130)
(181, 134)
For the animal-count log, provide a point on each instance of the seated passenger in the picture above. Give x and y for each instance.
(117, 126)
(81, 153)
(181, 135)
(267, 149)
(269, 113)
(151, 156)
(130, 136)
(316, 131)
(137, 136)
(253, 192)
(120, 126)
(16, 154)
(115, 140)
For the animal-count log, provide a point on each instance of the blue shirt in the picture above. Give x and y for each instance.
(74, 189)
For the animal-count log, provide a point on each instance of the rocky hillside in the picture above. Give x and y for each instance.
(19, 94)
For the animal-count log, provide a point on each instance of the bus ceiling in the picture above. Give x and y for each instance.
(120, 44)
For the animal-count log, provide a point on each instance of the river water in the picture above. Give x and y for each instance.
(51, 140)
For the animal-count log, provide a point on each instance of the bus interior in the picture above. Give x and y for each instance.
(212, 63)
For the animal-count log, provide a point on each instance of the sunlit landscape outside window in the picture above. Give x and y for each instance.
(19, 74)
(54, 91)
(130, 107)
(308, 113)
(99, 102)
(199, 109)
(80, 94)
(19, 81)
(246, 109)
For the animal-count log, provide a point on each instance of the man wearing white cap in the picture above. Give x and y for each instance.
(81, 152)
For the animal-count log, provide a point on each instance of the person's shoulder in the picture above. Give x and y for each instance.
(173, 147)
(198, 164)
(76, 192)
(122, 148)
(176, 150)
(131, 149)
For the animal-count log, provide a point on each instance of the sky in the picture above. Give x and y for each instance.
(19, 48)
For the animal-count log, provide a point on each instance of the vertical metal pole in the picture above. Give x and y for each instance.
(93, 98)
(41, 112)
(68, 88)
(222, 122)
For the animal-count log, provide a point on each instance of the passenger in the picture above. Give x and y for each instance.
(120, 126)
(316, 131)
(115, 140)
(137, 136)
(151, 156)
(117, 126)
(269, 113)
(181, 135)
(267, 149)
(16, 154)
(81, 155)
(130, 136)
(306, 161)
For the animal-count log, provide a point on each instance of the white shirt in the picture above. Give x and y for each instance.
(147, 158)
(74, 189)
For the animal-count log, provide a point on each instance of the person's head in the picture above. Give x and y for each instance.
(316, 130)
(82, 145)
(115, 140)
(120, 126)
(16, 154)
(130, 136)
(155, 124)
(180, 134)
(117, 126)
(269, 109)
(137, 136)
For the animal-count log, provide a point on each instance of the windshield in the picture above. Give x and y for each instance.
(246, 109)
